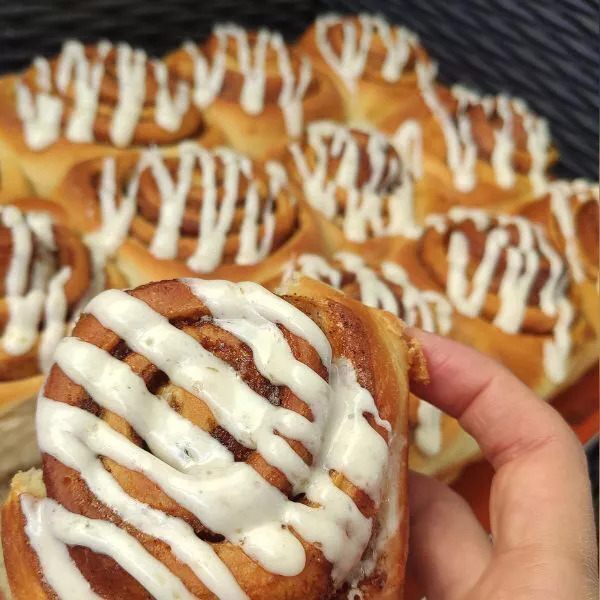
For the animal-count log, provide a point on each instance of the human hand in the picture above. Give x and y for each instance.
(543, 536)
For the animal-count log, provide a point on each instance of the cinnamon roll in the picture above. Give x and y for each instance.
(372, 63)
(511, 292)
(569, 213)
(90, 100)
(237, 444)
(46, 276)
(478, 151)
(358, 182)
(255, 88)
(438, 445)
(196, 212)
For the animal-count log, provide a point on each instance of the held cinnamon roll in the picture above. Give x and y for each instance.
(255, 88)
(372, 63)
(196, 212)
(511, 291)
(90, 100)
(237, 445)
(357, 181)
(46, 276)
(438, 445)
(478, 151)
(569, 213)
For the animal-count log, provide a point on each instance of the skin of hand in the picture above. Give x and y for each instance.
(543, 539)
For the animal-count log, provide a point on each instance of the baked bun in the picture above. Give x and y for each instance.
(479, 151)
(255, 88)
(372, 63)
(46, 276)
(512, 293)
(569, 213)
(194, 468)
(358, 183)
(196, 212)
(89, 101)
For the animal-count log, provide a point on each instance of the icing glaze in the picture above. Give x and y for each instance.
(41, 111)
(191, 466)
(388, 189)
(251, 57)
(356, 44)
(523, 260)
(425, 308)
(34, 289)
(221, 167)
(461, 148)
(561, 193)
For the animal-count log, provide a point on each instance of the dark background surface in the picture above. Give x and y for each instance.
(545, 51)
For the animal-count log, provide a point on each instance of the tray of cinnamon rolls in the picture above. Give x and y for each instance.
(210, 265)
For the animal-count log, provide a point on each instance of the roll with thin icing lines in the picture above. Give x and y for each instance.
(91, 100)
(372, 63)
(208, 213)
(512, 292)
(478, 151)
(254, 87)
(238, 444)
(47, 274)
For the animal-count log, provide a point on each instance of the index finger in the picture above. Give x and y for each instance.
(541, 491)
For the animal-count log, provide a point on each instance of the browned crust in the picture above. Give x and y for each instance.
(45, 169)
(374, 342)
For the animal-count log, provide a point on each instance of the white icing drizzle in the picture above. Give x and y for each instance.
(387, 187)
(561, 193)
(216, 217)
(461, 149)
(522, 268)
(357, 38)
(426, 308)
(41, 111)
(51, 528)
(191, 466)
(33, 292)
(209, 74)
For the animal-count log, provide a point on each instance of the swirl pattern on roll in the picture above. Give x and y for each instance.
(357, 178)
(387, 286)
(204, 438)
(111, 94)
(201, 207)
(505, 270)
(500, 130)
(570, 214)
(367, 46)
(45, 274)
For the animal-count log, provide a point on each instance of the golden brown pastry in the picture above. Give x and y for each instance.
(197, 212)
(236, 445)
(357, 181)
(255, 88)
(89, 101)
(511, 290)
(569, 213)
(12, 179)
(438, 445)
(479, 151)
(372, 63)
(46, 275)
